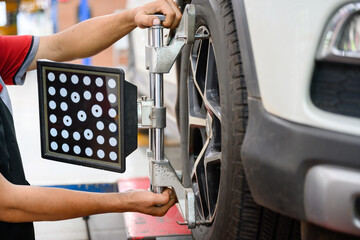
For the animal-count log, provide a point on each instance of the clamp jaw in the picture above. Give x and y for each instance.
(152, 113)
(161, 59)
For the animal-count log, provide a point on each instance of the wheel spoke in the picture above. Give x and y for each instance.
(197, 121)
(200, 157)
(195, 101)
(212, 163)
(212, 95)
(212, 157)
(200, 73)
(194, 56)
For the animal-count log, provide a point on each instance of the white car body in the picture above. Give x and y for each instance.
(285, 69)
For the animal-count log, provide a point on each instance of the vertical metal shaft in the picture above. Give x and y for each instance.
(152, 94)
(157, 93)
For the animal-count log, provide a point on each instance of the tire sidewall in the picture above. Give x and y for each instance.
(209, 12)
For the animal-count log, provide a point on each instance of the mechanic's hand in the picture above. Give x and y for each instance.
(144, 17)
(147, 202)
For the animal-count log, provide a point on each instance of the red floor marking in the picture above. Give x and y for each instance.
(141, 226)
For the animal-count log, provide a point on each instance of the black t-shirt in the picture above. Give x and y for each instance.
(11, 168)
(16, 54)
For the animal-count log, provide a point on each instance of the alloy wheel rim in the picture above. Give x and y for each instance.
(204, 128)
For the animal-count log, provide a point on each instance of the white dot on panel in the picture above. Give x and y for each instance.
(99, 96)
(99, 82)
(112, 98)
(63, 92)
(112, 83)
(81, 116)
(89, 152)
(65, 134)
(88, 134)
(77, 149)
(112, 127)
(63, 78)
(65, 147)
(87, 95)
(112, 141)
(53, 132)
(96, 110)
(54, 146)
(112, 112)
(74, 79)
(113, 156)
(100, 153)
(76, 136)
(52, 91)
(87, 81)
(52, 104)
(75, 97)
(51, 76)
(100, 139)
(64, 106)
(53, 118)
(100, 125)
(67, 120)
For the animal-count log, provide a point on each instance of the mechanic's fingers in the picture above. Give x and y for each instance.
(177, 17)
(173, 14)
(144, 20)
(144, 17)
(164, 197)
(161, 211)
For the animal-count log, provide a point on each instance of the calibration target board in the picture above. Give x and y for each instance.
(84, 118)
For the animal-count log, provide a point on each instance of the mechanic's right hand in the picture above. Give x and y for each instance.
(144, 18)
(147, 202)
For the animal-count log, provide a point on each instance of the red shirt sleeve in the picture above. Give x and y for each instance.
(13, 52)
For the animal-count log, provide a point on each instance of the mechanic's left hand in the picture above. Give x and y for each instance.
(144, 17)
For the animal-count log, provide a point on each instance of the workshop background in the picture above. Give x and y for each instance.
(43, 17)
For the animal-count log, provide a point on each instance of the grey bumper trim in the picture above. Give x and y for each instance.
(277, 155)
(329, 198)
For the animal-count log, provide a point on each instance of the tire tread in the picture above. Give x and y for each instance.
(253, 221)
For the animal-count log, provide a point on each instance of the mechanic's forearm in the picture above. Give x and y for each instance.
(26, 204)
(86, 38)
(93, 35)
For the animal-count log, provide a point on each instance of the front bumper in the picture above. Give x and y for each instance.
(278, 154)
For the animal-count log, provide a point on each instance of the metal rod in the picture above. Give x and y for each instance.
(156, 88)
(152, 93)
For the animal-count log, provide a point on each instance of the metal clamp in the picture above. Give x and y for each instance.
(150, 116)
(164, 175)
(161, 59)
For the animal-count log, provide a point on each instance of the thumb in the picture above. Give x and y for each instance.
(164, 197)
(143, 20)
(156, 21)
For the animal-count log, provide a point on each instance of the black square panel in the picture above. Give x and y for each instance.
(83, 117)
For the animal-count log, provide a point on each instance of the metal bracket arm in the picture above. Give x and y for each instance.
(150, 116)
(164, 175)
(161, 59)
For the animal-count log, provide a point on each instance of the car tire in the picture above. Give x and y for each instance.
(213, 116)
